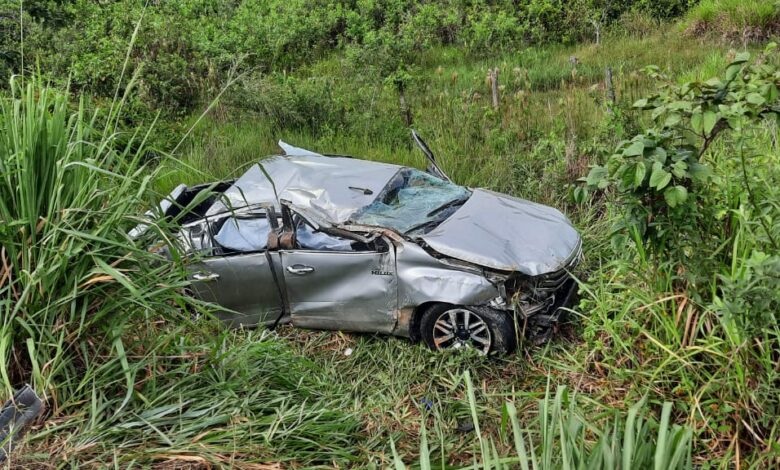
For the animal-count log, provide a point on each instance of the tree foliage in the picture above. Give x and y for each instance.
(186, 47)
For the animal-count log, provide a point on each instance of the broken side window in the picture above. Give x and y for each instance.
(413, 202)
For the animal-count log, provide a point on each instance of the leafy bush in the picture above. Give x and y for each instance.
(750, 295)
(289, 102)
(490, 30)
(186, 48)
(660, 175)
(36, 35)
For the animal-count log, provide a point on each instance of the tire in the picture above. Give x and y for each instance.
(499, 329)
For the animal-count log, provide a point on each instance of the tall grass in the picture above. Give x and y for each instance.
(98, 323)
(745, 21)
(562, 438)
(739, 13)
(71, 277)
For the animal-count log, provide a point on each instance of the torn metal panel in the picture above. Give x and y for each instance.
(293, 150)
(16, 415)
(334, 187)
(507, 234)
(403, 325)
(423, 278)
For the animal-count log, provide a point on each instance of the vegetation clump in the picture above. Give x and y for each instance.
(742, 21)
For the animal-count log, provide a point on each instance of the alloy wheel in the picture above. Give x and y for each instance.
(461, 328)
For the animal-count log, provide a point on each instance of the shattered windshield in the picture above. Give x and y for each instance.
(413, 203)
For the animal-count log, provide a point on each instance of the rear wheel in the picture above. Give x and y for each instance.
(486, 330)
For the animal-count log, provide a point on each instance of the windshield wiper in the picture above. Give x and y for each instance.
(454, 202)
(420, 226)
(365, 191)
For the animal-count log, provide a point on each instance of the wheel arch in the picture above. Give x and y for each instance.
(414, 323)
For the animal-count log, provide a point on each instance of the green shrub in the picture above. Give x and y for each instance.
(742, 20)
(661, 176)
(289, 102)
(490, 30)
(185, 49)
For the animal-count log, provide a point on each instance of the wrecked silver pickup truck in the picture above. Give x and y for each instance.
(332, 242)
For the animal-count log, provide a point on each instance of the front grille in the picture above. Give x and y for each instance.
(547, 284)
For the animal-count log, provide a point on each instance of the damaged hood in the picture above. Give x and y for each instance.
(507, 234)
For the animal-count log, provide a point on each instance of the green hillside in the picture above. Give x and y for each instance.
(669, 169)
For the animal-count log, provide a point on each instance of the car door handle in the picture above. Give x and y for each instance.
(205, 276)
(300, 269)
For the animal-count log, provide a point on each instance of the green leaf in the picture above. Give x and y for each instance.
(580, 194)
(672, 120)
(680, 105)
(636, 148)
(736, 66)
(626, 174)
(741, 58)
(596, 175)
(640, 103)
(709, 119)
(773, 92)
(659, 177)
(732, 71)
(639, 174)
(659, 154)
(696, 122)
(755, 98)
(714, 83)
(675, 195)
(699, 171)
(680, 168)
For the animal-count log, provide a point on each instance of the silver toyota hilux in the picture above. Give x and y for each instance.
(338, 243)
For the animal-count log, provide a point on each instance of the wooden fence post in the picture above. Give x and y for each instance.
(406, 113)
(610, 89)
(494, 86)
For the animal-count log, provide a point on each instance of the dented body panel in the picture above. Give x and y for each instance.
(333, 187)
(425, 279)
(354, 291)
(242, 284)
(507, 234)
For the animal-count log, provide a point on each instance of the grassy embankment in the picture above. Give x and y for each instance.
(552, 122)
(198, 396)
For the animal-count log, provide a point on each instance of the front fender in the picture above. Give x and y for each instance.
(423, 279)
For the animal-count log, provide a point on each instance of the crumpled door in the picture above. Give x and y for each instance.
(242, 284)
(340, 290)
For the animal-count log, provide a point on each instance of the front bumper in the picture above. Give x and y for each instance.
(545, 299)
